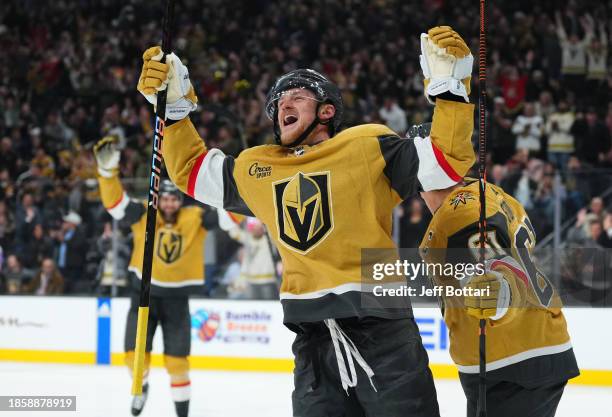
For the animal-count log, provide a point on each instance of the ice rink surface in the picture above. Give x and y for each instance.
(103, 391)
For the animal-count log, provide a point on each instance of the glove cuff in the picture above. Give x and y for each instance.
(180, 109)
(503, 300)
(437, 86)
(107, 173)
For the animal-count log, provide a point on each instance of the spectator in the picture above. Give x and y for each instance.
(597, 60)
(393, 116)
(258, 265)
(413, 223)
(39, 247)
(578, 184)
(544, 196)
(8, 157)
(596, 207)
(560, 138)
(573, 64)
(7, 227)
(15, 277)
(545, 106)
(503, 142)
(514, 88)
(233, 281)
(528, 130)
(47, 281)
(113, 266)
(605, 238)
(28, 215)
(592, 137)
(581, 232)
(71, 254)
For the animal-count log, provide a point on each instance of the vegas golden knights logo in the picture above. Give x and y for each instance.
(303, 210)
(169, 246)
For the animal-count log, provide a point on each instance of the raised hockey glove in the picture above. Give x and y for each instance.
(156, 76)
(107, 154)
(487, 296)
(446, 62)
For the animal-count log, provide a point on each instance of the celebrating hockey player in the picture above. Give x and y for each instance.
(178, 270)
(325, 194)
(528, 352)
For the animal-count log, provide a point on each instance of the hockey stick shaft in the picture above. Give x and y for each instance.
(155, 180)
(482, 221)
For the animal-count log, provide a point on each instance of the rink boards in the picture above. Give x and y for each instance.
(233, 335)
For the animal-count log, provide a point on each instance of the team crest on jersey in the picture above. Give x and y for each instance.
(461, 198)
(303, 210)
(170, 246)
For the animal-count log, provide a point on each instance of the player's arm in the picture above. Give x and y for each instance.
(114, 198)
(509, 277)
(206, 175)
(446, 153)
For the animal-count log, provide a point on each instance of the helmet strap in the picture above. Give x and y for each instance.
(306, 132)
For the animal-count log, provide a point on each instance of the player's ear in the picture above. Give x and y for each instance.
(326, 111)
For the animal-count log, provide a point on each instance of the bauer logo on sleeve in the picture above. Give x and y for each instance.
(303, 210)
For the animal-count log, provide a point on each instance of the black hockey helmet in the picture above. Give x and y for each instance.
(168, 187)
(324, 90)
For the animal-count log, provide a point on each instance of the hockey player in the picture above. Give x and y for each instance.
(529, 354)
(178, 270)
(324, 195)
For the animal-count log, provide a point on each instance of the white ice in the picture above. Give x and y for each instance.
(104, 391)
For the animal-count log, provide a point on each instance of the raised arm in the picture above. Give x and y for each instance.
(446, 153)
(114, 198)
(560, 29)
(206, 175)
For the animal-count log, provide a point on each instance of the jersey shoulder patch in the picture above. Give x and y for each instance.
(459, 209)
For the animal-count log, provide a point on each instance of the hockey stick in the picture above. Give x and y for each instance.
(156, 172)
(482, 221)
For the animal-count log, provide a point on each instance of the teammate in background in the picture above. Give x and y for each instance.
(178, 270)
(529, 353)
(258, 268)
(324, 195)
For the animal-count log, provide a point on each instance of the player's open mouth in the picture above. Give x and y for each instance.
(289, 120)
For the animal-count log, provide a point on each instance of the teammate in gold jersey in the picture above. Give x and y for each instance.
(324, 195)
(178, 269)
(529, 352)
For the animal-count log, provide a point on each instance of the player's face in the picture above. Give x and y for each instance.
(169, 204)
(296, 111)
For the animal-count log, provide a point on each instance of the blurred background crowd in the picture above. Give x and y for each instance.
(68, 75)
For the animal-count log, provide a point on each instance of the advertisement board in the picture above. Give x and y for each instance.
(233, 335)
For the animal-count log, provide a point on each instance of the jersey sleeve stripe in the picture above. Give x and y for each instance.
(444, 164)
(206, 179)
(434, 172)
(512, 265)
(234, 217)
(116, 203)
(117, 210)
(194, 174)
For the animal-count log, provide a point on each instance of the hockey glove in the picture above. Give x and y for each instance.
(107, 156)
(490, 294)
(446, 62)
(156, 76)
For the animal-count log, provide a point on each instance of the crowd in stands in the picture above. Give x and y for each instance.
(68, 76)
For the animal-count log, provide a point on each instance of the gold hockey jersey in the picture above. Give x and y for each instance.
(178, 253)
(322, 204)
(532, 338)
